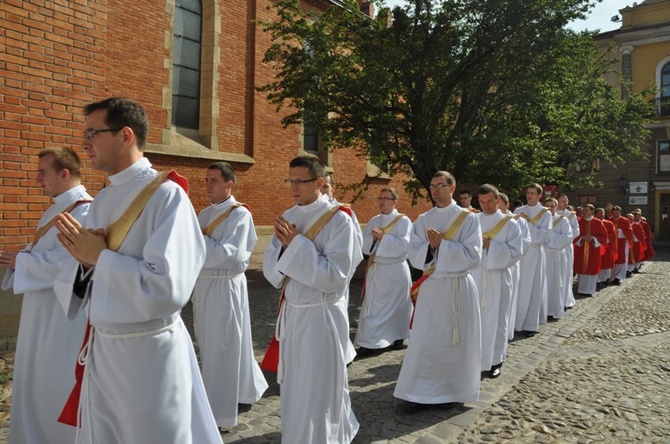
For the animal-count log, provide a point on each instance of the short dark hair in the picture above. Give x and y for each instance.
(486, 189)
(312, 163)
(589, 206)
(450, 177)
(616, 208)
(537, 187)
(227, 171)
(64, 158)
(504, 197)
(465, 192)
(123, 113)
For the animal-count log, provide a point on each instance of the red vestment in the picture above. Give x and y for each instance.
(587, 255)
(623, 224)
(649, 252)
(609, 251)
(640, 246)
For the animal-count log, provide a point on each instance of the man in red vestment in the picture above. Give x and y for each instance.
(639, 245)
(649, 251)
(625, 240)
(591, 237)
(608, 251)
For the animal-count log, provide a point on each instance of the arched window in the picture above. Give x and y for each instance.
(186, 64)
(665, 81)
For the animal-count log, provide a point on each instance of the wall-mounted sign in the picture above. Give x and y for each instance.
(637, 187)
(637, 200)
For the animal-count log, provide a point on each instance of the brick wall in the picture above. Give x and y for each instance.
(57, 56)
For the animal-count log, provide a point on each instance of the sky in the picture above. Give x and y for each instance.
(599, 18)
(601, 15)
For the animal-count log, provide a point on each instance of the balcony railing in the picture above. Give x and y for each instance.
(663, 106)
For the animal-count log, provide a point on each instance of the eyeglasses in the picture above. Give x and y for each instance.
(90, 133)
(297, 182)
(381, 199)
(439, 186)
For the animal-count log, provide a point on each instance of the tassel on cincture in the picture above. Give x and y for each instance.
(455, 337)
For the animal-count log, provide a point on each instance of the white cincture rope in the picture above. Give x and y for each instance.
(224, 276)
(139, 334)
(456, 307)
(367, 301)
(83, 408)
(487, 301)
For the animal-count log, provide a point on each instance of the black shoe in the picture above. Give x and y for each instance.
(529, 333)
(615, 282)
(495, 371)
(362, 352)
(398, 344)
(628, 274)
(636, 271)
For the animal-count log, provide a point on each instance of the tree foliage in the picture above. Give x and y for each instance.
(495, 91)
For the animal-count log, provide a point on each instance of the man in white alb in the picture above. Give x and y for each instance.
(502, 242)
(221, 301)
(311, 256)
(532, 283)
(567, 294)
(443, 359)
(48, 343)
(136, 261)
(386, 308)
(559, 237)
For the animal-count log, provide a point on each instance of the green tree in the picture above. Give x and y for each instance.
(494, 91)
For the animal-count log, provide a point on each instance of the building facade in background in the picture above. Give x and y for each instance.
(193, 64)
(642, 46)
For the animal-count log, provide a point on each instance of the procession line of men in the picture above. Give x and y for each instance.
(112, 275)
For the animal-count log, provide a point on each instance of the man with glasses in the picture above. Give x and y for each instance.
(221, 302)
(135, 264)
(311, 256)
(443, 359)
(48, 343)
(386, 307)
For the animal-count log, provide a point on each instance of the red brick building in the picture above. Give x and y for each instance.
(57, 56)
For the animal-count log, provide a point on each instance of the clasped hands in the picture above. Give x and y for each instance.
(83, 244)
(284, 231)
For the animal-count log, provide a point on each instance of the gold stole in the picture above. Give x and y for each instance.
(587, 246)
(115, 234)
(447, 235)
(557, 220)
(209, 229)
(538, 216)
(41, 231)
(371, 258)
(270, 360)
(116, 231)
(493, 232)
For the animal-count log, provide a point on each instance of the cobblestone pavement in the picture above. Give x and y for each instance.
(601, 374)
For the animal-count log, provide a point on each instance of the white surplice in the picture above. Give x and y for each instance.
(559, 237)
(493, 277)
(532, 296)
(516, 274)
(313, 327)
(142, 383)
(48, 343)
(387, 307)
(567, 293)
(443, 360)
(221, 312)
